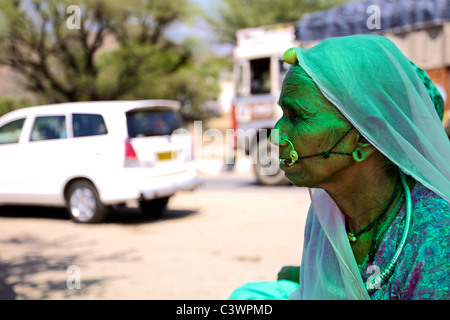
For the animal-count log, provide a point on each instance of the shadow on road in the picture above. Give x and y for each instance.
(118, 215)
(41, 276)
(33, 212)
(123, 215)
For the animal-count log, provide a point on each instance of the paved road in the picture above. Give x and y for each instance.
(209, 241)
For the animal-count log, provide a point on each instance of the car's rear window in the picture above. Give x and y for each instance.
(147, 123)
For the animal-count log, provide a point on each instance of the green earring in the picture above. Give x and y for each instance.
(357, 155)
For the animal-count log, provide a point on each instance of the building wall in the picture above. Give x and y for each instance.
(429, 48)
(441, 76)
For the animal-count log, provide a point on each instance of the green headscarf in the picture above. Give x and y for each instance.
(433, 91)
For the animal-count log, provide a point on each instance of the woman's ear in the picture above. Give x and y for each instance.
(363, 149)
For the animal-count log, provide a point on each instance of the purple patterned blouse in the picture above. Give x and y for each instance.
(423, 268)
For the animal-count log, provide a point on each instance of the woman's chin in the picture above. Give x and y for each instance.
(296, 178)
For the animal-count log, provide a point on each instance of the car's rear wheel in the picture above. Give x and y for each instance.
(83, 203)
(154, 208)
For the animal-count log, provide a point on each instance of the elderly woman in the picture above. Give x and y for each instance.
(360, 131)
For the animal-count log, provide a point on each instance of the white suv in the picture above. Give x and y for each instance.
(89, 156)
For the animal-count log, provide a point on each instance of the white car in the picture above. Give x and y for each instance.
(89, 156)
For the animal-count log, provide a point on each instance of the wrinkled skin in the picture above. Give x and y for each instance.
(313, 125)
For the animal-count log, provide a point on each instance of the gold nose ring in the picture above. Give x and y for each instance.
(292, 154)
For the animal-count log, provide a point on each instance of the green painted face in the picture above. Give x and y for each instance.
(313, 125)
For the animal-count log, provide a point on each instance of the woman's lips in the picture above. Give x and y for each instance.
(285, 163)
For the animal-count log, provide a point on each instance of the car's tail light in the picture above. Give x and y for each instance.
(129, 150)
(131, 159)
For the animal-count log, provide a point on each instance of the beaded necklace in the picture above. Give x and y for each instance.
(352, 237)
(376, 281)
(371, 253)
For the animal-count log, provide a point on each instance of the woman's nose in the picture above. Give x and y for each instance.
(278, 136)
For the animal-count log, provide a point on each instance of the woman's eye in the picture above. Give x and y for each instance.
(294, 116)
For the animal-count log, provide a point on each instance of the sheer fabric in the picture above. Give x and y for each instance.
(377, 89)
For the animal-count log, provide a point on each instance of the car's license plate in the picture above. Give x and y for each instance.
(164, 156)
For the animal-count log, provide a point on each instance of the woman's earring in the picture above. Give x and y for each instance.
(357, 155)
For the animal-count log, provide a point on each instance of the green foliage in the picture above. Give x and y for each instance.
(121, 50)
(230, 15)
(8, 104)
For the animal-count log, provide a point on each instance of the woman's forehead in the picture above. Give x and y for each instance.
(295, 95)
(301, 94)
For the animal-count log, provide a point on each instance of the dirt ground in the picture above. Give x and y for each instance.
(209, 242)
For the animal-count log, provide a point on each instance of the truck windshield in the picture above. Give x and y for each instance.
(146, 123)
(260, 76)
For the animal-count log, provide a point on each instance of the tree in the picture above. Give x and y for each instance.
(8, 104)
(69, 50)
(230, 15)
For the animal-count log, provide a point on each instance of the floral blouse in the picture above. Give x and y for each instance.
(423, 268)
